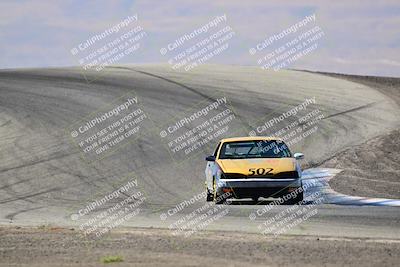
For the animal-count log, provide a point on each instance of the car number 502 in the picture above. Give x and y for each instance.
(260, 171)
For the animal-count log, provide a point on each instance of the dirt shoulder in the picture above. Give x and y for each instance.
(371, 169)
(154, 247)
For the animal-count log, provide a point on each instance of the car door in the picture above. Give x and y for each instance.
(211, 169)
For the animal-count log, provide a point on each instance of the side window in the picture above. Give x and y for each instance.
(216, 150)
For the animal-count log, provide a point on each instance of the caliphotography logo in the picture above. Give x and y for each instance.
(199, 133)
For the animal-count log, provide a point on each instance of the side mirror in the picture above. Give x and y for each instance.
(298, 155)
(210, 158)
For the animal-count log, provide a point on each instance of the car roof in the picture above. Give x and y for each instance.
(250, 138)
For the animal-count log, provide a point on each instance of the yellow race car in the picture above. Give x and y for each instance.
(253, 167)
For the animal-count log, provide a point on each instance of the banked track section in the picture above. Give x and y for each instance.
(42, 175)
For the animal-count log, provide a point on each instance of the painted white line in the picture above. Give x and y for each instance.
(319, 178)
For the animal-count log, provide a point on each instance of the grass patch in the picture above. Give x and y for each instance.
(110, 259)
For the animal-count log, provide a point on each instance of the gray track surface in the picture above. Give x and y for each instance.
(42, 175)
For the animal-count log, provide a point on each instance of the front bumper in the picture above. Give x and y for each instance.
(249, 188)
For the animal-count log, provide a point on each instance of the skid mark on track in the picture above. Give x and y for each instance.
(351, 110)
(11, 216)
(197, 92)
(28, 196)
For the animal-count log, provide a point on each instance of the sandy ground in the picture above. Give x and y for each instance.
(66, 247)
(371, 169)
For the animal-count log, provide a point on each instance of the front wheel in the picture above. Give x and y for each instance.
(210, 196)
(216, 197)
(219, 200)
(295, 201)
(298, 199)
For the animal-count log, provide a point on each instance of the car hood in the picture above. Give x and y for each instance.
(242, 166)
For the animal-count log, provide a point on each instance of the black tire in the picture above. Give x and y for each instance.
(210, 196)
(295, 201)
(216, 197)
(299, 199)
(219, 200)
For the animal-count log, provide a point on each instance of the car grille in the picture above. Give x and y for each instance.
(281, 175)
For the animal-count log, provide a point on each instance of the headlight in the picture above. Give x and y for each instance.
(219, 173)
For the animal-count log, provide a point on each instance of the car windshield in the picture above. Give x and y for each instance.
(255, 149)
